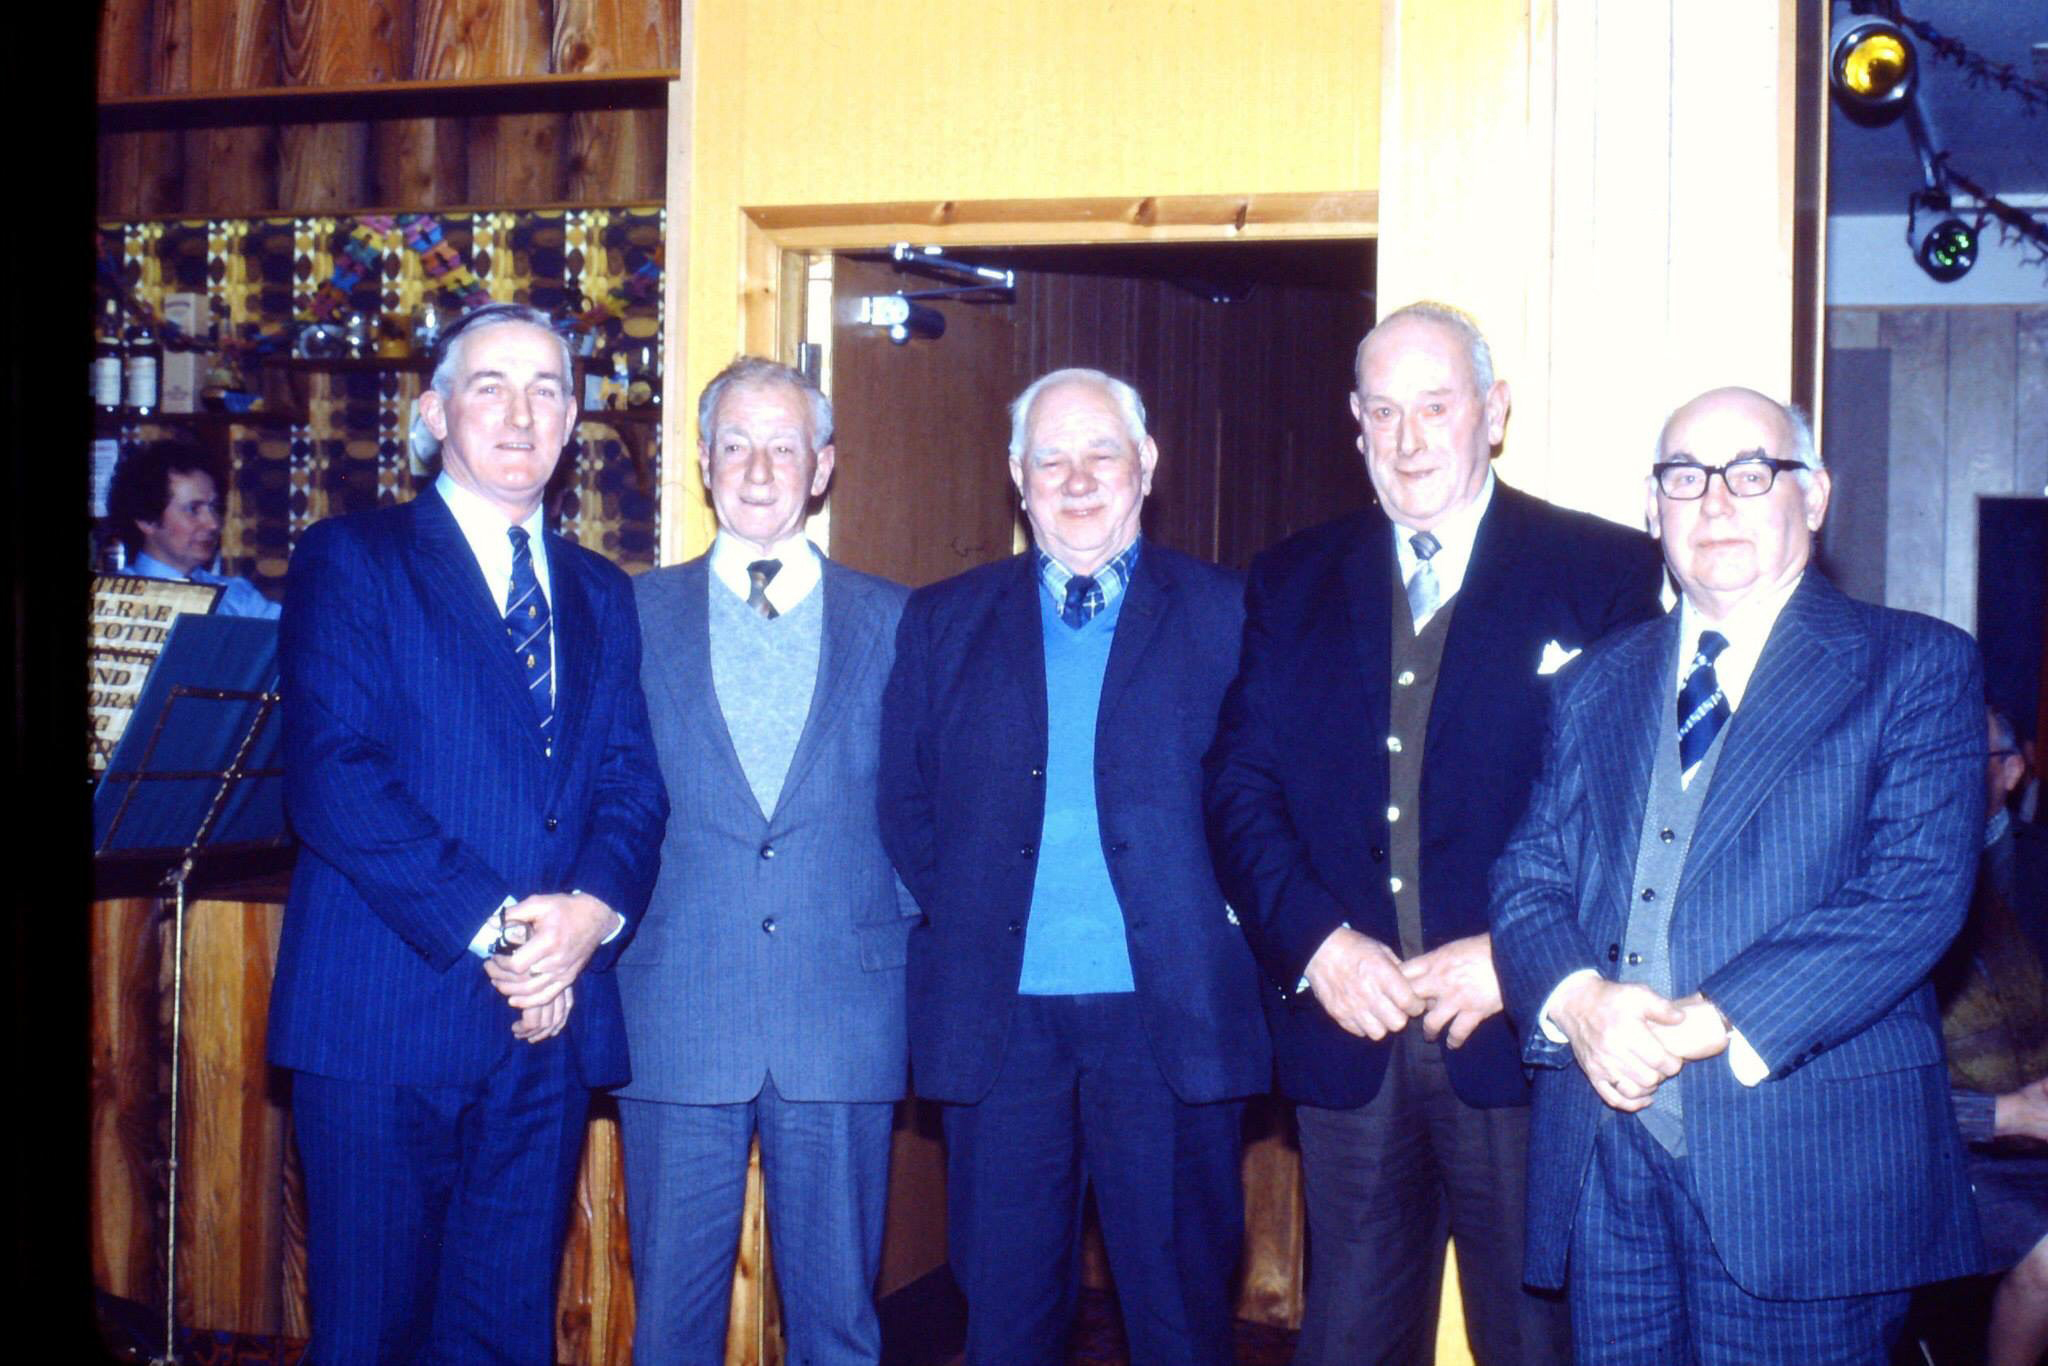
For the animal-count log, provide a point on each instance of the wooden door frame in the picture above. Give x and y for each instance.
(773, 239)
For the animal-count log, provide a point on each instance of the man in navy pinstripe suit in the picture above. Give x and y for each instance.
(469, 771)
(1754, 836)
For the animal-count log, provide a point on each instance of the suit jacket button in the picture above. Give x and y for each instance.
(1028, 850)
(1649, 893)
(1038, 773)
(768, 925)
(1119, 847)
(1667, 835)
(767, 851)
(550, 823)
(1016, 928)
(1635, 960)
(1614, 953)
(1379, 855)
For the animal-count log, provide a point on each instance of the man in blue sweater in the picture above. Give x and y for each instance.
(1079, 994)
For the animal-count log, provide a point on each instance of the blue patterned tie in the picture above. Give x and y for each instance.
(1702, 706)
(1084, 600)
(526, 625)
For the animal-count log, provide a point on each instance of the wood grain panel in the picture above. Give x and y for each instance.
(125, 30)
(419, 163)
(214, 45)
(1270, 1286)
(1917, 501)
(914, 1225)
(516, 159)
(118, 189)
(755, 1337)
(1982, 346)
(613, 35)
(170, 46)
(323, 167)
(296, 1311)
(230, 1218)
(453, 39)
(126, 1237)
(2030, 404)
(337, 42)
(229, 172)
(615, 156)
(594, 1305)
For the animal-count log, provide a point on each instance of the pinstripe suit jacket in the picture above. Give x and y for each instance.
(1830, 868)
(417, 785)
(774, 941)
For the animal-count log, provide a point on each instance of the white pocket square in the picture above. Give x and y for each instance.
(1555, 657)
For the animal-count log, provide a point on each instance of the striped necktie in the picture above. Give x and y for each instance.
(761, 573)
(1423, 592)
(1702, 706)
(526, 626)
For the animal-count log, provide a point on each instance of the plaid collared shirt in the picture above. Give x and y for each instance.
(1110, 581)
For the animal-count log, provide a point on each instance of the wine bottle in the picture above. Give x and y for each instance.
(107, 358)
(142, 369)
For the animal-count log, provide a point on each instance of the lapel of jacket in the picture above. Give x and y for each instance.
(851, 633)
(1147, 600)
(1016, 656)
(1367, 569)
(447, 575)
(686, 671)
(574, 619)
(1811, 666)
(1623, 721)
(1483, 618)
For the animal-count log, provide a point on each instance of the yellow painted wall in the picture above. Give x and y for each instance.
(887, 100)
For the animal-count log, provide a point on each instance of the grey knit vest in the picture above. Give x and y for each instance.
(764, 673)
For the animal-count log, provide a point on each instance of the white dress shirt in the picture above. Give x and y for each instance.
(800, 572)
(1455, 536)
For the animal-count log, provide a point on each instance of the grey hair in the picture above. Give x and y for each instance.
(1459, 321)
(447, 360)
(746, 371)
(1128, 404)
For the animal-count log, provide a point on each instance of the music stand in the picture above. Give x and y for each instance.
(197, 771)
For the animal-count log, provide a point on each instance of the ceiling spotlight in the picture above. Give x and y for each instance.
(1948, 250)
(1871, 67)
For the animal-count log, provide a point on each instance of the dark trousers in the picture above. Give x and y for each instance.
(435, 1214)
(1648, 1289)
(1080, 1102)
(1385, 1184)
(826, 1168)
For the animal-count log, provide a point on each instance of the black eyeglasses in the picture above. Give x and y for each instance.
(1749, 477)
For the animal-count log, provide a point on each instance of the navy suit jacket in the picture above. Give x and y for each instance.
(963, 805)
(1297, 785)
(1831, 865)
(774, 942)
(419, 790)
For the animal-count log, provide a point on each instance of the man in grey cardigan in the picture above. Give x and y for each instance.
(764, 990)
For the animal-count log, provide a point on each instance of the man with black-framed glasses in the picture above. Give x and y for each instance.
(1754, 836)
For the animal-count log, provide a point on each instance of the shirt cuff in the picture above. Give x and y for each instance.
(1551, 1031)
(1976, 1114)
(1302, 985)
(617, 928)
(480, 943)
(1749, 1069)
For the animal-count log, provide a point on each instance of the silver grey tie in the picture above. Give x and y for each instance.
(1423, 593)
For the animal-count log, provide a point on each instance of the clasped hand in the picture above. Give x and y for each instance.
(1628, 1039)
(1370, 992)
(563, 930)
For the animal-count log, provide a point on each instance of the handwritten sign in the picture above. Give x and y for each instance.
(130, 618)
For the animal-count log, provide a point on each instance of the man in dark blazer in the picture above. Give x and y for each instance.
(469, 773)
(764, 989)
(1753, 837)
(1079, 994)
(1374, 752)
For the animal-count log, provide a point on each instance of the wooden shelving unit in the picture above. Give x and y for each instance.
(386, 100)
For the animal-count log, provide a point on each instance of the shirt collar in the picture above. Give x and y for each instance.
(1456, 534)
(150, 567)
(1110, 580)
(483, 526)
(792, 583)
(1747, 628)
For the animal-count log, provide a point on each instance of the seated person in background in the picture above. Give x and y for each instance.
(165, 503)
(1994, 1019)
